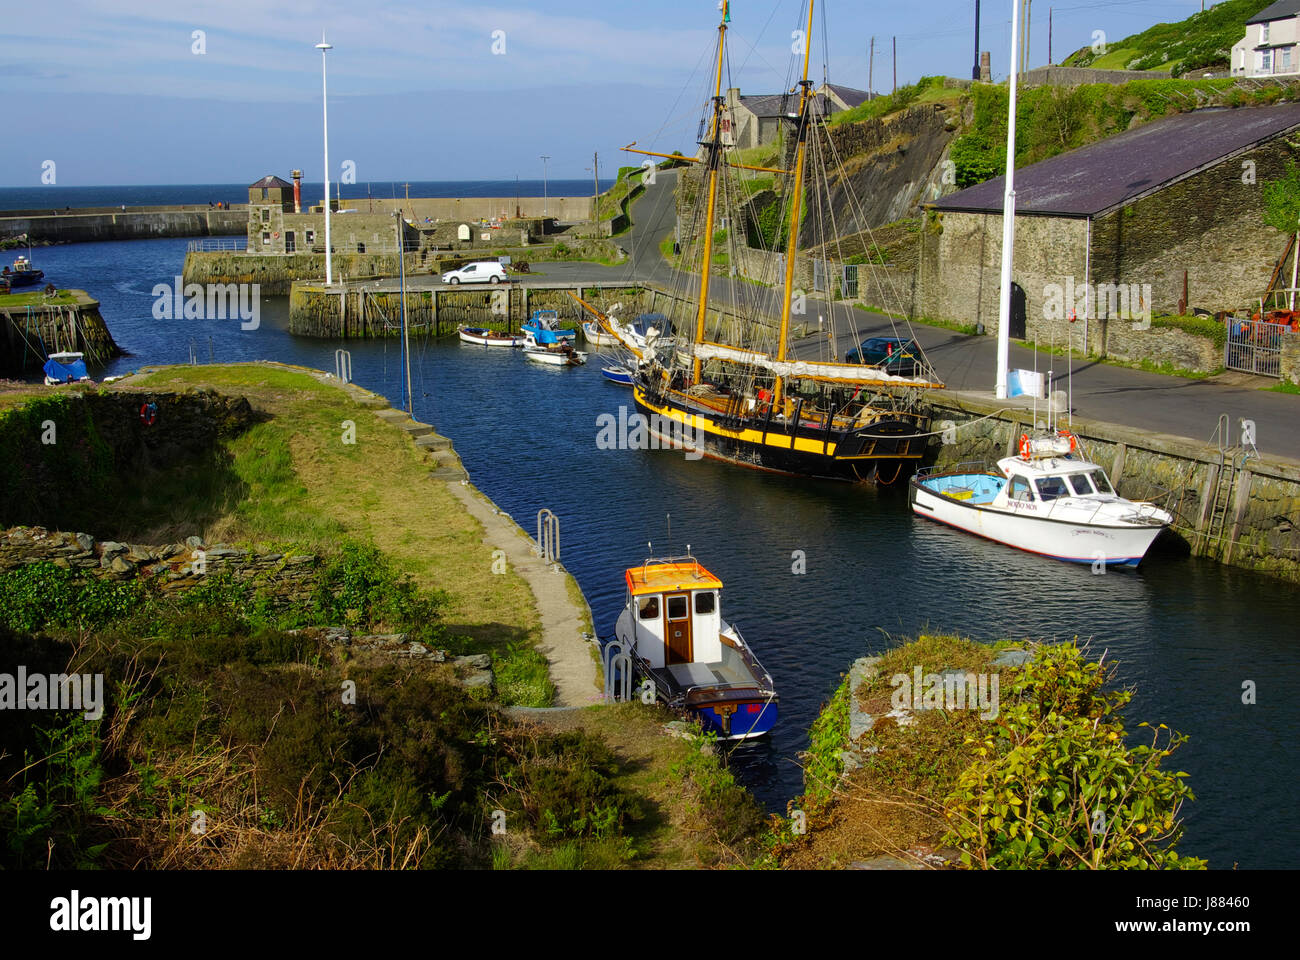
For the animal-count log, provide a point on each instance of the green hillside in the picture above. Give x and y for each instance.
(1202, 41)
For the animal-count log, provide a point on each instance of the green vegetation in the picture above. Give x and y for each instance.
(1047, 779)
(1051, 120)
(1286, 387)
(1202, 41)
(925, 90)
(1197, 326)
(37, 299)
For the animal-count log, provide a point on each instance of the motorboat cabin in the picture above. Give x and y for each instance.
(673, 629)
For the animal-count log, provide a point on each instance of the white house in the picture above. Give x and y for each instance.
(1269, 47)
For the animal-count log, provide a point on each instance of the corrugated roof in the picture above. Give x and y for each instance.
(1100, 177)
(1277, 11)
(270, 180)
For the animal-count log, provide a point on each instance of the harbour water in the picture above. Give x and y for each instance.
(1187, 633)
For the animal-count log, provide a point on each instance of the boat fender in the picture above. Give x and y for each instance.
(1024, 446)
(148, 414)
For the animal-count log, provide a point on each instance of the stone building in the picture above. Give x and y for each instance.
(276, 224)
(1106, 233)
(756, 121)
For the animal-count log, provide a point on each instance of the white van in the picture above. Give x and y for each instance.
(484, 271)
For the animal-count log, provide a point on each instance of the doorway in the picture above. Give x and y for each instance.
(1018, 312)
(680, 648)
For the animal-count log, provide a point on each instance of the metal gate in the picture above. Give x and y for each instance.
(1254, 346)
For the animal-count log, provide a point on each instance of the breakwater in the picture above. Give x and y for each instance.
(1229, 503)
(134, 223)
(276, 273)
(29, 332)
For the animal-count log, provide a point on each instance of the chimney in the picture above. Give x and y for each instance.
(986, 67)
(297, 191)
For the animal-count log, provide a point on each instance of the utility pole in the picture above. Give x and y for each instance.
(895, 64)
(975, 73)
(1050, 11)
(871, 68)
(325, 132)
(595, 176)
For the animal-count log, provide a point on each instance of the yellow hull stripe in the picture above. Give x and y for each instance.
(777, 441)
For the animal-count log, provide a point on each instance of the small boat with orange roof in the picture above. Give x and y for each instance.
(688, 655)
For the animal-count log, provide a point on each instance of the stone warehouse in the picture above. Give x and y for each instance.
(277, 223)
(1158, 220)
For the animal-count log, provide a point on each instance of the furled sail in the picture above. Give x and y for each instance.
(808, 370)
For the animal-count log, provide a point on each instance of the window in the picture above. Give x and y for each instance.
(678, 608)
(1263, 32)
(1051, 488)
(705, 602)
(1102, 484)
(1286, 60)
(1266, 61)
(266, 237)
(1080, 485)
(311, 236)
(266, 214)
(1020, 490)
(265, 193)
(649, 608)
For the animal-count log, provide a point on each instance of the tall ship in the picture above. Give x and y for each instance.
(735, 390)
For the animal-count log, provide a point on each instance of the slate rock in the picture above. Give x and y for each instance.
(1012, 658)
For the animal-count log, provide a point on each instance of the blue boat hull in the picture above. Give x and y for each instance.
(25, 279)
(750, 719)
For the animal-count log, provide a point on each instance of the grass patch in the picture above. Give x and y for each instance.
(1285, 387)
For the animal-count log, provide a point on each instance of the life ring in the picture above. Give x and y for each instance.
(148, 414)
(1024, 446)
(1074, 441)
(276, 235)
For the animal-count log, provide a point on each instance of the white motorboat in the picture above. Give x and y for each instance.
(1045, 501)
(559, 355)
(597, 337)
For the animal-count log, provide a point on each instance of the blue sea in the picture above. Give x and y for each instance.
(57, 197)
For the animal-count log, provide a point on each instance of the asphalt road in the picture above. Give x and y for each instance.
(1163, 404)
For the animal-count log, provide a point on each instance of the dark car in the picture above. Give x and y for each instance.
(896, 355)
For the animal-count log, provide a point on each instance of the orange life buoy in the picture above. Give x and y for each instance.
(148, 413)
(1024, 446)
(1074, 441)
(276, 235)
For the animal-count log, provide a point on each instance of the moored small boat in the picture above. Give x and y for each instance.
(64, 368)
(1044, 501)
(485, 337)
(617, 374)
(22, 273)
(592, 333)
(672, 629)
(544, 328)
(559, 355)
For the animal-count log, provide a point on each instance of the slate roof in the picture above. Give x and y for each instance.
(776, 105)
(1277, 11)
(854, 97)
(1101, 177)
(270, 180)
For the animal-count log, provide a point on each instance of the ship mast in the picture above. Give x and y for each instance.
(796, 206)
(713, 161)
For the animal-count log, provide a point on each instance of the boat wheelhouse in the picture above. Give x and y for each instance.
(673, 630)
(543, 329)
(1045, 501)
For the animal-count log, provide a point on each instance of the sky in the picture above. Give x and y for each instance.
(148, 92)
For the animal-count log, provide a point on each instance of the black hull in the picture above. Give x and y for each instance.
(884, 452)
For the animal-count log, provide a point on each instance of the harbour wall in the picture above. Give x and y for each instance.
(136, 223)
(1228, 503)
(276, 273)
(357, 311)
(29, 333)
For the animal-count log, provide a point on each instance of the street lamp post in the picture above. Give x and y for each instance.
(545, 192)
(325, 125)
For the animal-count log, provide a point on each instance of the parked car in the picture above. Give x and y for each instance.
(896, 355)
(484, 271)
